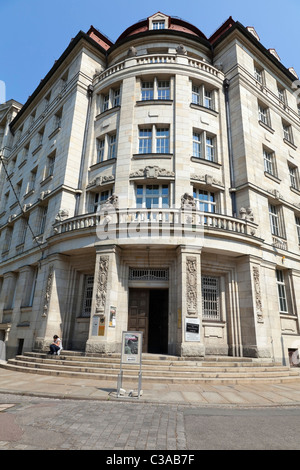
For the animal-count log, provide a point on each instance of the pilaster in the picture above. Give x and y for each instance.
(107, 310)
(190, 340)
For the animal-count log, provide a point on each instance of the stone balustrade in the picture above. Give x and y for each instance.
(172, 220)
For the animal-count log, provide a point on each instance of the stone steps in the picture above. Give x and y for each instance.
(155, 368)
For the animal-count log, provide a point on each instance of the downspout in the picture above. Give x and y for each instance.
(87, 120)
(230, 152)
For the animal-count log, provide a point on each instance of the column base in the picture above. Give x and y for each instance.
(192, 350)
(255, 351)
(100, 347)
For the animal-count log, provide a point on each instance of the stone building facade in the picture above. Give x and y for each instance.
(152, 185)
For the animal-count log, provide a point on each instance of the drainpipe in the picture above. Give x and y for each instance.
(230, 152)
(87, 120)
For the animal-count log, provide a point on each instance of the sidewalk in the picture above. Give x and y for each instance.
(251, 394)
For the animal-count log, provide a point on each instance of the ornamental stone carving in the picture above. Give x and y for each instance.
(62, 215)
(100, 180)
(102, 284)
(207, 179)
(258, 303)
(246, 214)
(187, 201)
(152, 172)
(191, 285)
(48, 291)
(181, 49)
(132, 52)
(111, 202)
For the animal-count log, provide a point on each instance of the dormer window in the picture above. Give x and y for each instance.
(158, 21)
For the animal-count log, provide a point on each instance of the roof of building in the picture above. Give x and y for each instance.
(174, 25)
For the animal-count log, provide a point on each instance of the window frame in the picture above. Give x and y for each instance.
(297, 222)
(203, 96)
(287, 132)
(281, 291)
(276, 221)
(151, 142)
(269, 162)
(212, 299)
(146, 197)
(206, 146)
(211, 200)
(294, 176)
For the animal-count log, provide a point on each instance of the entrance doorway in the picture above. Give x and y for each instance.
(148, 312)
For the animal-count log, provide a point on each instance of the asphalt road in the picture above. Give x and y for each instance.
(30, 423)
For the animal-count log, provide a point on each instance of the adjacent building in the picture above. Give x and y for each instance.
(152, 185)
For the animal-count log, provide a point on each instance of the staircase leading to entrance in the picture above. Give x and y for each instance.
(155, 368)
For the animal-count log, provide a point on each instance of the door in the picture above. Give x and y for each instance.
(148, 312)
(138, 313)
(158, 321)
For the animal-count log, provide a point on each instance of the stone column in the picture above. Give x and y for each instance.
(189, 302)
(52, 289)
(108, 311)
(255, 340)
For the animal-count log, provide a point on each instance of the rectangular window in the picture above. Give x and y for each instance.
(18, 189)
(210, 298)
(100, 150)
(287, 132)
(196, 95)
(145, 140)
(87, 296)
(105, 103)
(112, 149)
(33, 287)
(162, 140)
(281, 291)
(208, 99)
(205, 200)
(294, 179)
(152, 196)
(196, 145)
(43, 217)
(57, 120)
(163, 90)
(158, 24)
(147, 91)
(31, 182)
(263, 115)
(281, 94)
(202, 96)
(117, 97)
(269, 162)
(275, 220)
(99, 199)
(22, 231)
(7, 240)
(297, 221)
(49, 170)
(258, 74)
(210, 149)
(204, 146)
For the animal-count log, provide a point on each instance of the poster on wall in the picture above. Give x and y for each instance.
(192, 329)
(112, 317)
(98, 326)
(131, 347)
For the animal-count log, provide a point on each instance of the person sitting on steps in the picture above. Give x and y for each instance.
(56, 346)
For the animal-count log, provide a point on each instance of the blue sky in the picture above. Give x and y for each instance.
(35, 33)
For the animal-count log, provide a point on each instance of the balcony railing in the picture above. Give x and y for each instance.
(156, 59)
(123, 222)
